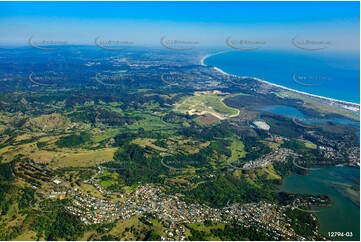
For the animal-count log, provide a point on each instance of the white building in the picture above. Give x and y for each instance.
(261, 125)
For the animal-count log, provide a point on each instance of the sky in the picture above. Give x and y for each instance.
(209, 23)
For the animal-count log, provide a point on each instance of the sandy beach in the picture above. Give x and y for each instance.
(348, 105)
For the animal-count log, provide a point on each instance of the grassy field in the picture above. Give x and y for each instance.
(177, 144)
(100, 135)
(28, 235)
(121, 225)
(83, 158)
(149, 122)
(202, 227)
(268, 172)
(108, 179)
(238, 151)
(252, 177)
(207, 230)
(207, 120)
(271, 143)
(309, 144)
(207, 103)
(148, 143)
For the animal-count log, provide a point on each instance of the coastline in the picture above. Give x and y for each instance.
(308, 186)
(355, 106)
(201, 61)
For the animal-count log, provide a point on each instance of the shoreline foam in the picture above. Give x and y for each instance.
(201, 62)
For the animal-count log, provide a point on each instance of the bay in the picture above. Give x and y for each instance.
(336, 182)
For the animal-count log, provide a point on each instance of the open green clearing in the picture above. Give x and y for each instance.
(238, 150)
(207, 103)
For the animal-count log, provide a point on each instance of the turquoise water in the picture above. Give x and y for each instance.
(316, 72)
(344, 214)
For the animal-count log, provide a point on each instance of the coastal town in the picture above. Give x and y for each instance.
(171, 210)
(279, 155)
(180, 121)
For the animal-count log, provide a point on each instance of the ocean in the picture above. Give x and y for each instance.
(332, 75)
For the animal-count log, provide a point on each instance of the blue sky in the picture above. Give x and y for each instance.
(210, 23)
